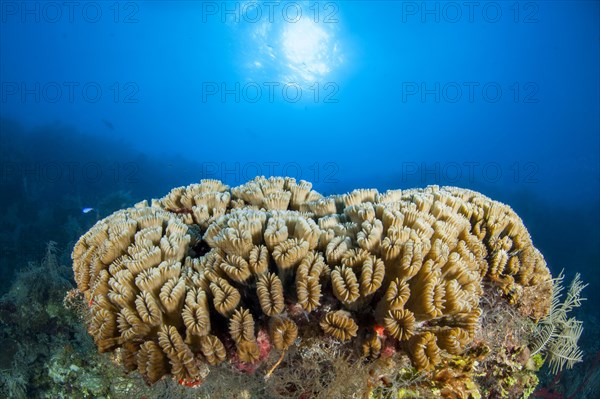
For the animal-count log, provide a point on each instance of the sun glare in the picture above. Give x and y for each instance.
(302, 51)
(307, 49)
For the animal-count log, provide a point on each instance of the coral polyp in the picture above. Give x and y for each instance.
(211, 274)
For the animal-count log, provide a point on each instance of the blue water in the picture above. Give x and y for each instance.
(502, 97)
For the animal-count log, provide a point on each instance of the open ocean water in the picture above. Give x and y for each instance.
(106, 103)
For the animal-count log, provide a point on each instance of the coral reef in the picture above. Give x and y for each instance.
(33, 322)
(557, 334)
(271, 269)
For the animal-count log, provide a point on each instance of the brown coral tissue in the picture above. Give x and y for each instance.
(211, 274)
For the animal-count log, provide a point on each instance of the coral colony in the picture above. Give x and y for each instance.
(421, 291)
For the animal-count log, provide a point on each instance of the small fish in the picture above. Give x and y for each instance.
(108, 124)
(87, 210)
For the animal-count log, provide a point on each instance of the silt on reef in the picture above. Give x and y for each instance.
(274, 290)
